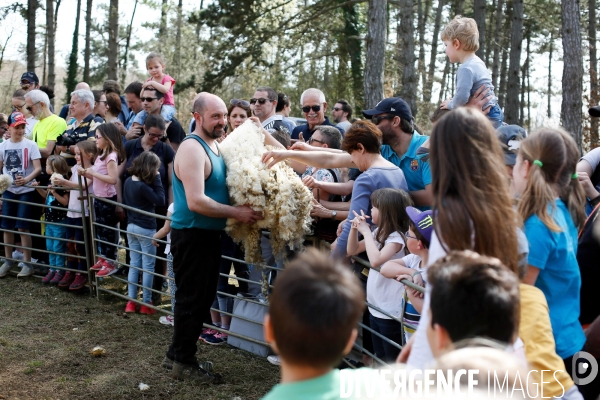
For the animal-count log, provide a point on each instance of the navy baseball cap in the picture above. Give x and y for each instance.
(30, 77)
(394, 106)
(510, 137)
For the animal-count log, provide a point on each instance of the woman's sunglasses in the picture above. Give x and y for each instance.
(314, 108)
(244, 103)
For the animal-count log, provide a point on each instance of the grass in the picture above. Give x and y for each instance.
(46, 336)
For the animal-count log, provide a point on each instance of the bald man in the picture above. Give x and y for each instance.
(201, 207)
(64, 112)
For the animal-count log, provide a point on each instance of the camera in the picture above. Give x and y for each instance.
(65, 140)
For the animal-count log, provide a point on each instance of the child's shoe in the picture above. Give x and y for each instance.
(67, 279)
(26, 270)
(130, 307)
(7, 266)
(79, 282)
(48, 277)
(216, 339)
(98, 265)
(167, 320)
(57, 277)
(107, 269)
(147, 310)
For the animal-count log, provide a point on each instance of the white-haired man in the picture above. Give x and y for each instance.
(83, 125)
(49, 128)
(314, 107)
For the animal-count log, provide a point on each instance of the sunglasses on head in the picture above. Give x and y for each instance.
(147, 99)
(307, 109)
(261, 101)
(237, 102)
(378, 118)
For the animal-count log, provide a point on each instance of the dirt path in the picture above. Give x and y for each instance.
(46, 336)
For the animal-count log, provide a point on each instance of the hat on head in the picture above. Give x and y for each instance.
(423, 221)
(594, 111)
(393, 105)
(510, 137)
(30, 77)
(17, 118)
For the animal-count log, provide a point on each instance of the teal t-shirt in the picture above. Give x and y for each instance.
(416, 171)
(554, 253)
(329, 386)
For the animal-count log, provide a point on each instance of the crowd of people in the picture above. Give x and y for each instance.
(497, 226)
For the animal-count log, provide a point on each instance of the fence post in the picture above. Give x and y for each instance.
(84, 225)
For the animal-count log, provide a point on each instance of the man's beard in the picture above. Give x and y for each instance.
(215, 133)
(388, 136)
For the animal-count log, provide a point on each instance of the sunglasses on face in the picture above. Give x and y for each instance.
(261, 101)
(30, 108)
(337, 109)
(98, 137)
(237, 102)
(147, 99)
(314, 108)
(377, 119)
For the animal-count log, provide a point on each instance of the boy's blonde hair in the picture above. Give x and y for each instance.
(464, 30)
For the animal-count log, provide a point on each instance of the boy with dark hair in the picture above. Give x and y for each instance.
(312, 323)
(472, 296)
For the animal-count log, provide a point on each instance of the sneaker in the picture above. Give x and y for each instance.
(147, 310)
(26, 270)
(167, 320)
(273, 359)
(107, 269)
(48, 277)
(98, 265)
(207, 332)
(7, 266)
(191, 372)
(130, 307)
(79, 282)
(67, 279)
(216, 339)
(57, 277)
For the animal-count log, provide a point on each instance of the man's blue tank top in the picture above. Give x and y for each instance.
(214, 187)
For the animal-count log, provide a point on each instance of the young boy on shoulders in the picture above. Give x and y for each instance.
(312, 323)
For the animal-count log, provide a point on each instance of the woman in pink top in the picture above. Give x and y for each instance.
(104, 177)
(161, 82)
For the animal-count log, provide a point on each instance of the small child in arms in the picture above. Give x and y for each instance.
(461, 38)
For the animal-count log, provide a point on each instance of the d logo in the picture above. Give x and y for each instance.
(586, 363)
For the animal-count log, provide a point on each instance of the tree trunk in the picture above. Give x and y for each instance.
(178, 39)
(433, 55)
(511, 111)
(127, 42)
(162, 28)
(51, 31)
(423, 17)
(375, 53)
(354, 43)
(31, 9)
(488, 37)
(572, 77)
(594, 140)
(406, 35)
(88, 29)
(444, 80)
(479, 17)
(45, 57)
(113, 38)
(550, 75)
(71, 80)
(497, 44)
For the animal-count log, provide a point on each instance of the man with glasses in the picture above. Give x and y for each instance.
(314, 107)
(152, 101)
(50, 125)
(342, 113)
(83, 125)
(264, 106)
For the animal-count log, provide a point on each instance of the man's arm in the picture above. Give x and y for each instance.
(189, 167)
(47, 152)
(317, 159)
(422, 197)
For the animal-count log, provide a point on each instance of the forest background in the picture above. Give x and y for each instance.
(542, 53)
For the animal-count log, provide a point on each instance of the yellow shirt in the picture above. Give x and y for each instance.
(536, 333)
(48, 128)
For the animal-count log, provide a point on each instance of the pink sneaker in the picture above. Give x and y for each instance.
(207, 332)
(216, 339)
(107, 269)
(98, 265)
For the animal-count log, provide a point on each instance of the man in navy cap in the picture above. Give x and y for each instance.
(29, 81)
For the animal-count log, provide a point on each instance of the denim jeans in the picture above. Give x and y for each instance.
(166, 111)
(496, 116)
(145, 260)
(392, 330)
(57, 246)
